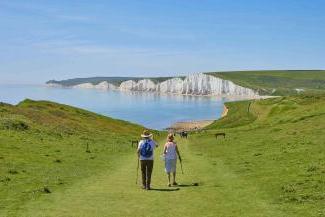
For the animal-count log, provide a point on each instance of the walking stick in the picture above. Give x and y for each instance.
(180, 160)
(136, 181)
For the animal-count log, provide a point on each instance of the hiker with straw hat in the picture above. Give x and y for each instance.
(171, 153)
(145, 155)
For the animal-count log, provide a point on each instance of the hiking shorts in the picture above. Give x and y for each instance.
(170, 165)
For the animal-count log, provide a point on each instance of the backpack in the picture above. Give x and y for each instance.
(145, 149)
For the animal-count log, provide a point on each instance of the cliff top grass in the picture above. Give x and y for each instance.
(277, 82)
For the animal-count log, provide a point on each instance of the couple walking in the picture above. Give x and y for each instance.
(145, 152)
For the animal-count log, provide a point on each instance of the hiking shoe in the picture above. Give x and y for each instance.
(148, 188)
(169, 185)
(175, 183)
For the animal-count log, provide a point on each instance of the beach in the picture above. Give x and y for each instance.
(195, 125)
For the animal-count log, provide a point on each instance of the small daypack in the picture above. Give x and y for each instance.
(145, 149)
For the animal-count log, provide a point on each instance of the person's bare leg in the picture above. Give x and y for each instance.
(168, 176)
(174, 178)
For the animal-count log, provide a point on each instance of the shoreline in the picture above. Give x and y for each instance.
(196, 125)
(190, 125)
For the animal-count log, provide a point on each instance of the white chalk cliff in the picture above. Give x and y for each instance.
(141, 85)
(102, 85)
(194, 84)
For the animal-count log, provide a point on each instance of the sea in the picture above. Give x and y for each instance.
(152, 110)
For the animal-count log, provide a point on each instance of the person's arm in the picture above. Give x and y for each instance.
(177, 151)
(165, 149)
(138, 150)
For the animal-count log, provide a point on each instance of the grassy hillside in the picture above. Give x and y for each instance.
(277, 82)
(276, 145)
(43, 149)
(270, 164)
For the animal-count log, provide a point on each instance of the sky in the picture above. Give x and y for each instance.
(42, 40)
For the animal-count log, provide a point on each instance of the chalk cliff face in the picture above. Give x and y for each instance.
(141, 85)
(102, 85)
(194, 84)
(201, 84)
(174, 85)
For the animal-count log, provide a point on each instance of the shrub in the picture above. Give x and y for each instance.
(13, 124)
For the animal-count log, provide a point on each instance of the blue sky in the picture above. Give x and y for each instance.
(42, 40)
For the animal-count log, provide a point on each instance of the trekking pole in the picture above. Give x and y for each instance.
(136, 181)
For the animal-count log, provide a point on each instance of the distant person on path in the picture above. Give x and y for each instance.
(145, 152)
(171, 153)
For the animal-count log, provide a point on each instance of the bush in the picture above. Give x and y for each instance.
(13, 124)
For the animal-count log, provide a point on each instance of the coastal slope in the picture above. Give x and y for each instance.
(47, 147)
(277, 82)
(277, 145)
(58, 160)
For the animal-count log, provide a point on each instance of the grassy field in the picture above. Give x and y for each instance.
(270, 164)
(278, 146)
(277, 83)
(43, 149)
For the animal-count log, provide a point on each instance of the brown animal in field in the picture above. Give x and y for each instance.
(220, 134)
(183, 134)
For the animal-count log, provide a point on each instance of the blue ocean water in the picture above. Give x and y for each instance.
(152, 110)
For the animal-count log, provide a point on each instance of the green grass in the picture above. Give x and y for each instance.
(238, 115)
(282, 82)
(278, 147)
(270, 164)
(43, 147)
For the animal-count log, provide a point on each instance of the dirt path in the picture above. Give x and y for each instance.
(114, 193)
(224, 112)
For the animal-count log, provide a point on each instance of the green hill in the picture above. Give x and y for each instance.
(43, 149)
(270, 164)
(276, 145)
(278, 83)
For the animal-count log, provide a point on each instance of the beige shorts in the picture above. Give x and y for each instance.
(170, 165)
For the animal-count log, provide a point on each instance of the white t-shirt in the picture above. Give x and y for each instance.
(152, 145)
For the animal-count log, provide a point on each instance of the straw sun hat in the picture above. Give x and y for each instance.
(146, 134)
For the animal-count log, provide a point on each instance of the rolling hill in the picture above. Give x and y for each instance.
(271, 163)
(278, 82)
